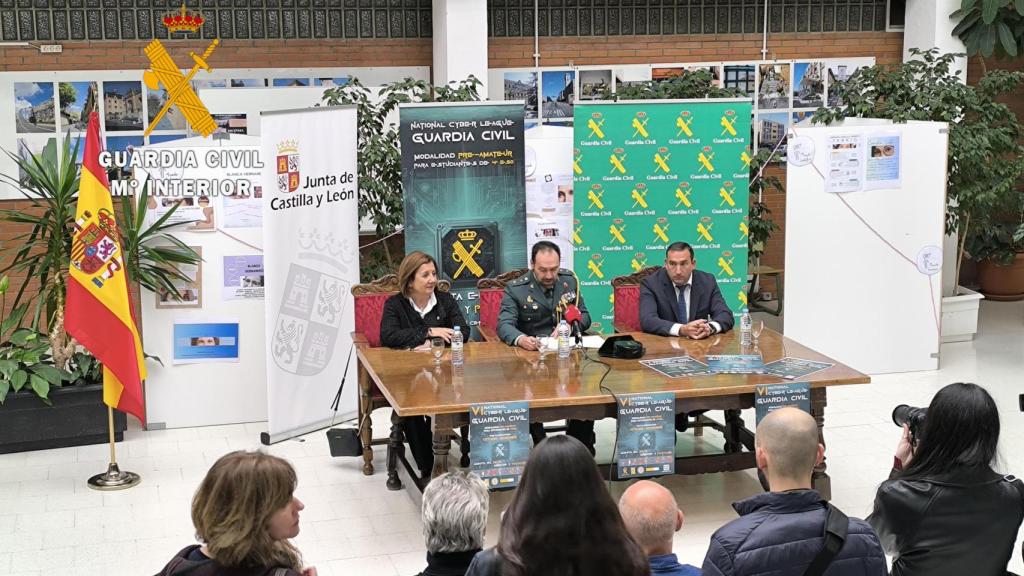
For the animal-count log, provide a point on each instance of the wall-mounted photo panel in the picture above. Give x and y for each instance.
(801, 115)
(838, 73)
(191, 293)
(248, 83)
(770, 129)
(231, 123)
(158, 138)
(171, 119)
(742, 77)
(290, 82)
(209, 83)
(557, 94)
(522, 86)
(666, 73)
(125, 144)
(630, 75)
(594, 83)
(30, 147)
(76, 100)
(773, 86)
(34, 109)
(808, 84)
(331, 82)
(122, 106)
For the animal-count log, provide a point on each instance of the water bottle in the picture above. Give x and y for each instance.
(563, 339)
(457, 347)
(746, 327)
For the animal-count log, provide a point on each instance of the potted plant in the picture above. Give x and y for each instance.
(51, 391)
(985, 160)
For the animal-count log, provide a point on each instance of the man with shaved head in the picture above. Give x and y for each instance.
(792, 531)
(652, 518)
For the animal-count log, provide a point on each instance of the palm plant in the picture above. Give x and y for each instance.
(43, 251)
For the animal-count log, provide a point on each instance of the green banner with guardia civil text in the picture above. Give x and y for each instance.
(649, 173)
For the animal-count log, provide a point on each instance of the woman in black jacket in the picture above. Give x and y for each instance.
(562, 521)
(411, 318)
(944, 510)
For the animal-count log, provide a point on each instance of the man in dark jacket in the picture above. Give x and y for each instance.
(782, 531)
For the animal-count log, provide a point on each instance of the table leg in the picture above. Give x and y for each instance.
(733, 424)
(396, 447)
(442, 424)
(365, 431)
(820, 480)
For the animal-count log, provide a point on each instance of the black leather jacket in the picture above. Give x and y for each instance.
(960, 523)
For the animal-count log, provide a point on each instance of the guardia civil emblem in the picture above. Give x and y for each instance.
(468, 253)
(94, 247)
(287, 166)
(308, 321)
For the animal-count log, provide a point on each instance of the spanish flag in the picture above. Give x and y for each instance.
(98, 312)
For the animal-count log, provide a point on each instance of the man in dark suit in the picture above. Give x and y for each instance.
(679, 300)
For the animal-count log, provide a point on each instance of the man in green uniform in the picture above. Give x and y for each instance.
(530, 310)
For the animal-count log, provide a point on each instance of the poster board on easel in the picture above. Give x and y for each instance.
(865, 213)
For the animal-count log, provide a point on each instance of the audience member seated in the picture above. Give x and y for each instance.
(454, 519)
(944, 510)
(561, 521)
(652, 517)
(782, 532)
(409, 320)
(244, 513)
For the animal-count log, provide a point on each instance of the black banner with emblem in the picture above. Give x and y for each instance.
(465, 198)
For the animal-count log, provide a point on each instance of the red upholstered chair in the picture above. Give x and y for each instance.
(369, 308)
(491, 290)
(627, 300)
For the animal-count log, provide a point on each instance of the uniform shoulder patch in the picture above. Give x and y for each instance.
(565, 272)
(524, 279)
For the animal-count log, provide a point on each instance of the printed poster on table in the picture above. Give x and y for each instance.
(791, 368)
(500, 442)
(647, 434)
(678, 366)
(243, 277)
(463, 177)
(735, 363)
(649, 173)
(770, 397)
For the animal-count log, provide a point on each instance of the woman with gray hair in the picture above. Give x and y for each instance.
(454, 518)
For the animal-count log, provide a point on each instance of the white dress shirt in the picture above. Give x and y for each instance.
(688, 287)
(430, 305)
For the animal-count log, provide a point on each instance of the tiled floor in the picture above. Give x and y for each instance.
(51, 523)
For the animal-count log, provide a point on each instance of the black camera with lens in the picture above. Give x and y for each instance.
(912, 416)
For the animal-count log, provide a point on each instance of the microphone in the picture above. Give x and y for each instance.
(574, 317)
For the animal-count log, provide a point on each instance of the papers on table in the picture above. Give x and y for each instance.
(788, 368)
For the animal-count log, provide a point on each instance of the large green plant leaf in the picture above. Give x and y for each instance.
(41, 387)
(18, 379)
(49, 373)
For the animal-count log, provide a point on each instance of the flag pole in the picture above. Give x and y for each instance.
(113, 478)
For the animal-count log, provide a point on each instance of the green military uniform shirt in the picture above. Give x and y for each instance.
(527, 308)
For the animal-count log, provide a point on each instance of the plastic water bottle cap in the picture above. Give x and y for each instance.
(456, 328)
(745, 310)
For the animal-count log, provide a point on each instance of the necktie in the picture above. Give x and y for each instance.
(682, 304)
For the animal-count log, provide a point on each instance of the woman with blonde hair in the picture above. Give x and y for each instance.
(245, 511)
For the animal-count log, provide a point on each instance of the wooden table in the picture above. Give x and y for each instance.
(559, 389)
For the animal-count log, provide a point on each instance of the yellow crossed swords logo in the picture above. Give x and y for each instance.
(595, 268)
(684, 126)
(616, 162)
(465, 257)
(595, 128)
(164, 71)
(743, 297)
(729, 127)
(744, 230)
(617, 231)
(576, 234)
(639, 197)
(661, 162)
(640, 127)
(705, 231)
(661, 231)
(727, 196)
(576, 164)
(684, 197)
(746, 158)
(705, 161)
(638, 263)
(726, 266)
(595, 198)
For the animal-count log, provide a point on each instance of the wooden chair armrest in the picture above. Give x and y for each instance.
(359, 340)
(488, 333)
(619, 329)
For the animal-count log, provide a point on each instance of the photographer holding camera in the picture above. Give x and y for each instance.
(944, 510)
